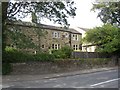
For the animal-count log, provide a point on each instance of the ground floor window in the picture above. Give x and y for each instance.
(56, 46)
(43, 46)
(75, 47)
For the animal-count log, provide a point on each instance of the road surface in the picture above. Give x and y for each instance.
(104, 79)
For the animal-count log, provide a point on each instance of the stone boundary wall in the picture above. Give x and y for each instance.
(90, 55)
(59, 66)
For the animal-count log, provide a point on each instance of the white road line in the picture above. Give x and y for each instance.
(105, 82)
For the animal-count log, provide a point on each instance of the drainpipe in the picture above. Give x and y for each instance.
(70, 40)
(86, 52)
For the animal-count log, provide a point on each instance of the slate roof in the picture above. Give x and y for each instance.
(85, 29)
(43, 26)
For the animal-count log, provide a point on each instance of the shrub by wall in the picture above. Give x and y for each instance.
(64, 52)
(52, 64)
(6, 68)
(11, 55)
(43, 57)
(15, 56)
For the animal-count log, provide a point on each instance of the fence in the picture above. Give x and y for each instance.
(90, 55)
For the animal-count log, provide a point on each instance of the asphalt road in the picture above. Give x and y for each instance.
(105, 79)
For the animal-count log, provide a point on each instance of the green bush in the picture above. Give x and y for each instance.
(58, 54)
(44, 57)
(64, 52)
(10, 49)
(6, 68)
(16, 56)
(12, 55)
(67, 51)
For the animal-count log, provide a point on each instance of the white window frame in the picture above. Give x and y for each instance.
(55, 46)
(75, 37)
(55, 34)
(75, 47)
(66, 34)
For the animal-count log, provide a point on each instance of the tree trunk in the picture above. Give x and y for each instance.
(4, 18)
(4, 11)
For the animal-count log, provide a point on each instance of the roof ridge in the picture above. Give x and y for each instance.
(85, 29)
(72, 30)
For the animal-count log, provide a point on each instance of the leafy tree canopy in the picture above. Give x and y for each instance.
(106, 38)
(109, 12)
(54, 11)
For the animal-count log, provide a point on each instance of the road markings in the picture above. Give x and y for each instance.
(52, 79)
(104, 82)
(57, 86)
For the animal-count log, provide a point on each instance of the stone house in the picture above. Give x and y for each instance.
(47, 37)
(86, 47)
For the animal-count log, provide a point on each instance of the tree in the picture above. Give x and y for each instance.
(54, 11)
(106, 38)
(109, 12)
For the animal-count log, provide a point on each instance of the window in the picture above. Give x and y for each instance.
(55, 46)
(55, 34)
(75, 47)
(75, 37)
(66, 35)
(52, 46)
(43, 46)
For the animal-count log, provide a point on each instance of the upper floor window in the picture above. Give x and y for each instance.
(55, 34)
(66, 34)
(75, 37)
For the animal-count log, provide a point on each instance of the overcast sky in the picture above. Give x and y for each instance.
(84, 17)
